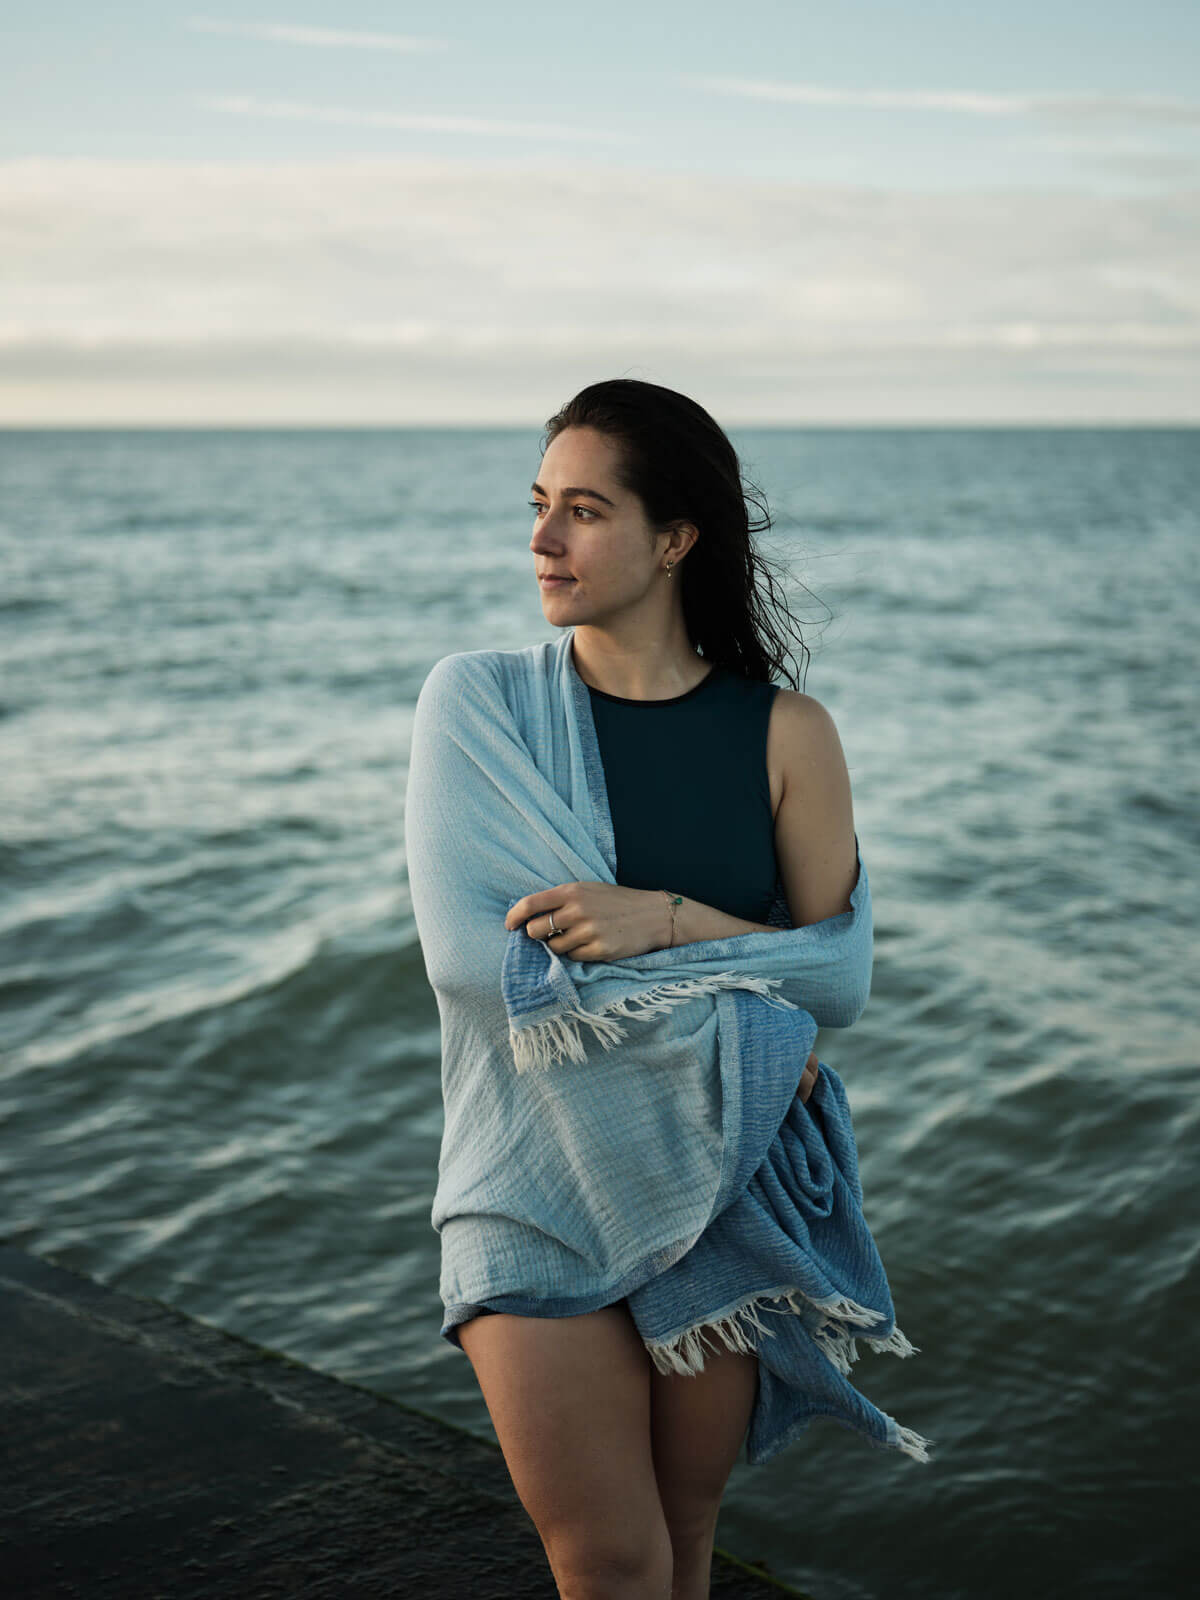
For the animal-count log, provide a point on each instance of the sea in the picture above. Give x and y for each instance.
(219, 1052)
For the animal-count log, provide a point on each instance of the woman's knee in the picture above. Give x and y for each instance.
(626, 1564)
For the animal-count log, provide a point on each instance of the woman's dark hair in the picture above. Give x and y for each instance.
(680, 464)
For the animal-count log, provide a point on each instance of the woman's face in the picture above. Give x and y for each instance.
(591, 531)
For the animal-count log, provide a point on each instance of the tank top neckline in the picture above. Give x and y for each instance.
(671, 700)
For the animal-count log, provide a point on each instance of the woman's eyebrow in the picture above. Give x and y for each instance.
(594, 494)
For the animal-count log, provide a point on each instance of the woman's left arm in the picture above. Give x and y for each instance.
(814, 826)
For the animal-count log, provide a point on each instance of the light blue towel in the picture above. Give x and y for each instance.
(630, 1129)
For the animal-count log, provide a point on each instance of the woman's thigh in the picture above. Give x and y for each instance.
(569, 1398)
(698, 1427)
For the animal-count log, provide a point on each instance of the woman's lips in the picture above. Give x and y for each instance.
(554, 583)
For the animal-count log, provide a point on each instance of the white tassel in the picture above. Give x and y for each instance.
(545, 1042)
(894, 1345)
(684, 1353)
(913, 1444)
(549, 1041)
(839, 1310)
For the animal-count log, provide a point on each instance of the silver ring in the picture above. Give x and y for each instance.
(553, 929)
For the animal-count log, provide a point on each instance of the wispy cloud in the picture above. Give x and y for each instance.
(815, 94)
(320, 38)
(426, 122)
(1130, 159)
(1124, 108)
(337, 285)
(1117, 108)
(226, 247)
(1155, 165)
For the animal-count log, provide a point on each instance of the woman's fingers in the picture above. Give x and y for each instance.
(808, 1077)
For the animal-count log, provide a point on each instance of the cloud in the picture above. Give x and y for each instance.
(813, 94)
(1117, 108)
(320, 38)
(1112, 108)
(1130, 160)
(246, 105)
(1160, 165)
(324, 275)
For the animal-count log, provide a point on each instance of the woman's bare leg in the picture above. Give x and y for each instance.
(569, 1398)
(698, 1427)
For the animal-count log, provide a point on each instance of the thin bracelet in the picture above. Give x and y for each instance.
(672, 901)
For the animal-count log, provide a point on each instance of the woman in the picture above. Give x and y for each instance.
(722, 786)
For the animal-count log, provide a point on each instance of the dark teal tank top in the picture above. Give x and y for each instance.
(689, 792)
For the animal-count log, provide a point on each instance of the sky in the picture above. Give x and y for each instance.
(374, 215)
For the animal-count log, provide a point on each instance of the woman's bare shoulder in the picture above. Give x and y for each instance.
(802, 743)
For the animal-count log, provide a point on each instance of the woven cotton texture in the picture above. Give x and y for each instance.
(631, 1129)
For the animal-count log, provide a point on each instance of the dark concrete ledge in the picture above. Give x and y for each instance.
(149, 1454)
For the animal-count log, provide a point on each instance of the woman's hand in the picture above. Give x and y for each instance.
(595, 921)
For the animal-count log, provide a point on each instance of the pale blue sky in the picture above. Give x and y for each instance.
(880, 212)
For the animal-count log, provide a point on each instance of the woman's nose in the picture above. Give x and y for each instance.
(544, 541)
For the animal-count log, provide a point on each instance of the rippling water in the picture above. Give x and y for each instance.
(219, 1082)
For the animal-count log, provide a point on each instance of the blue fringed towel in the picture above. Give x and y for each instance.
(631, 1129)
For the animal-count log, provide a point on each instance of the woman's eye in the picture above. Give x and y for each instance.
(537, 506)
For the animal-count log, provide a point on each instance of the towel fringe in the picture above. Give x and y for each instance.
(542, 1043)
(684, 1353)
(836, 1336)
(906, 1439)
